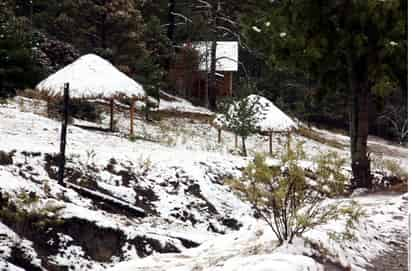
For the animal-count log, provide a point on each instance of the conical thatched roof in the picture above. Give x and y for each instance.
(91, 76)
(269, 117)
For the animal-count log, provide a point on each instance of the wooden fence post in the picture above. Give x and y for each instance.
(132, 116)
(219, 135)
(270, 143)
(62, 155)
(111, 115)
(235, 140)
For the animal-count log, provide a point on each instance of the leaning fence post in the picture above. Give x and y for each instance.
(111, 115)
(62, 155)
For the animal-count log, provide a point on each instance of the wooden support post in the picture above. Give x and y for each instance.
(270, 143)
(111, 115)
(228, 84)
(219, 135)
(62, 156)
(132, 116)
(235, 140)
(289, 138)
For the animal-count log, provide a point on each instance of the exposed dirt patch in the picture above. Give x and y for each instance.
(145, 198)
(6, 158)
(19, 258)
(194, 189)
(99, 243)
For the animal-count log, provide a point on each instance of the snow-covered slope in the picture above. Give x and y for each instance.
(254, 248)
(164, 192)
(91, 76)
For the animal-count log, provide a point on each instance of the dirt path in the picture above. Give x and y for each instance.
(396, 256)
(395, 259)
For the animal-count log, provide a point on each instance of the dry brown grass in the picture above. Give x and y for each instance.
(311, 134)
(34, 94)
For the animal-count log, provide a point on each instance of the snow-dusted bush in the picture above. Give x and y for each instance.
(285, 198)
(27, 211)
(329, 174)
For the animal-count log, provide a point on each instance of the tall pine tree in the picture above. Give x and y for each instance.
(349, 45)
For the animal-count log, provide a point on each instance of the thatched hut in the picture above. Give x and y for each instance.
(269, 119)
(91, 77)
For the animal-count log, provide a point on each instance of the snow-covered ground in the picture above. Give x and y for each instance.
(254, 248)
(165, 192)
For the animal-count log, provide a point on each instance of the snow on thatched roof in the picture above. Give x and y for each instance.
(91, 76)
(269, 117)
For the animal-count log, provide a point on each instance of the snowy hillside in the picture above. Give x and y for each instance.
(133, 200)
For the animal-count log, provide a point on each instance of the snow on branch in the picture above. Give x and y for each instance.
(181, 16)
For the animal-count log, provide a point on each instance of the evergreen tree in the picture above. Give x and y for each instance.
(240, 113)
(112, 29)
(17, 66)
(346, 45)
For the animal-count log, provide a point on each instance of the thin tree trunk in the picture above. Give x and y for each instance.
(219, 136)
(171, 20)
(213, 85)
(359, 128)
(244, 146)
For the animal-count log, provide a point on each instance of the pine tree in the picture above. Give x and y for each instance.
(112, 29)
(17, 66)
(240, 113)
(347, 45)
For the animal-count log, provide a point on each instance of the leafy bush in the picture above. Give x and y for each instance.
(283, 197)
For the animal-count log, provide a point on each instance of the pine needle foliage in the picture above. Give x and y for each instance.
(240, 114)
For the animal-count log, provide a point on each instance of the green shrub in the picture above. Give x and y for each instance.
(329, 174)
(282, 196)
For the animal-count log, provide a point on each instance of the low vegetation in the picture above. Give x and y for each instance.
(26, 213)
(78, 108)
(286, 200)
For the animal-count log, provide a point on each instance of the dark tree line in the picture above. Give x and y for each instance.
(329, 62)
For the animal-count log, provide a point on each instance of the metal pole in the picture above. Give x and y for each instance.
(62, 156)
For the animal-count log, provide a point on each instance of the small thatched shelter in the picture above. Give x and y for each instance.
(90, 77)
(270, 119)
